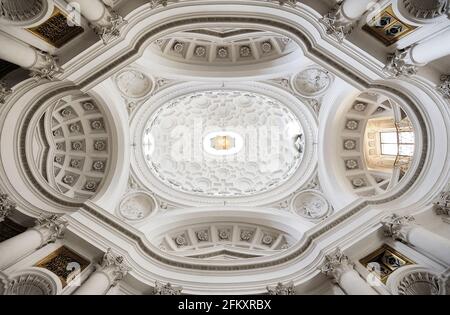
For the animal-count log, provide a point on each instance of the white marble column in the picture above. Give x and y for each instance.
(104, 21)
(111, 270)
(403, 228)
(47, 230)
(341, 269)
(340, 21)
(41, 64)
(406, 62)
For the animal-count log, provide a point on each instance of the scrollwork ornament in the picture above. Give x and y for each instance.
(109, 29)
(54, 224)
(400, 63)
(167, 289)
(282, 289)
(397, 227)
(443, 88)
(336, 264)
(114, 266)
(336, 25)
(442, 204)
(4, 92)
(46, 67)
(6, 206)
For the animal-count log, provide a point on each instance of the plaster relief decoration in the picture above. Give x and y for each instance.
(166, 289)
(223, 143)
(399, 63)
(64, 263)
(311, 204)
(4, 92)
(443, 87)
(109, 25)
(33, 281)
(416, 280)
(384, 261)
(137, 206)
(133, 84)
(337, 24)
(224, 241)
(282, 289)
(312, 81)
(74, 146)
(387, 27)
(219, 46)
(7, 206)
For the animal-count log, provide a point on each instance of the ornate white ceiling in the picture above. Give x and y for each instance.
(174, 150)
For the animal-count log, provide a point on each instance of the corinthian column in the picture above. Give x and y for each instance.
(103, 20)
(341, 269)
(47, 230)
(404, 229)
(406, 62)
(342, 19)
(111, 270)
(41, 64)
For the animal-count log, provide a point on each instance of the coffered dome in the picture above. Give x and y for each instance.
(224, 143)
(232, 51)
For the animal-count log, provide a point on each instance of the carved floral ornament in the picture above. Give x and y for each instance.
(7, 206)
(282, 289)
(114, 266)
(53, 223)
(166, 289)
(397, 227)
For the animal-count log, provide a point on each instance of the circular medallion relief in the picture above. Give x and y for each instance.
(310, 204)
(133, 83)
(312, 81)
(137, 206)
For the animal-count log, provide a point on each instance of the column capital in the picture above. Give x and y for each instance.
(45, 66)
(51, 227)
(400, 63)
(281, 289)
(108, 26)
(337, 24)
(166, 289)
(114, 267)
(397, 227)
(444, 86)
(6, 206)
(336, 264)
(5, 91)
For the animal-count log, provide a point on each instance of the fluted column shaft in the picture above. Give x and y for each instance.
(46, 231)
(404, 229)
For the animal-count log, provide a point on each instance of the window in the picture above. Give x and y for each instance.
(397, 143)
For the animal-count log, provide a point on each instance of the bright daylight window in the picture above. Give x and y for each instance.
(397, 143)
